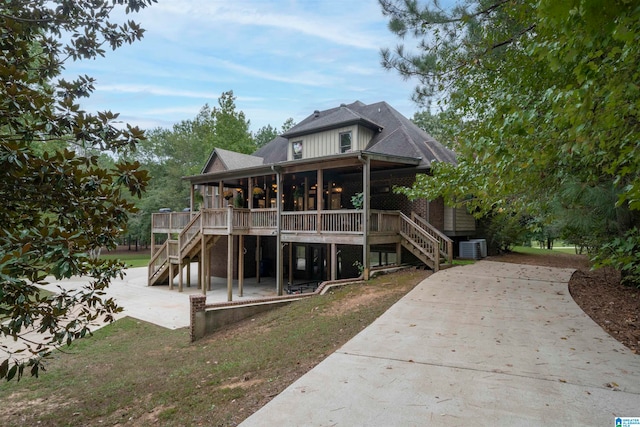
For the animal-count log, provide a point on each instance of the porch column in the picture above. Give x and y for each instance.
(398, 253)
(366, 178)
(305, 200)
(192, 203)
(229, 267)
(279, 287)
(180, 272)
(319, 199)
(220, 194)
(240, 264)
(250, 193)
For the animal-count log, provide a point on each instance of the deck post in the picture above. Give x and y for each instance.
(398, 253)
(258, 259)
(180, 273)
(334, 261)
(229, 267)
(240, 264)
(170, 274)
(188, 272)
(290, 263)
(203, 265)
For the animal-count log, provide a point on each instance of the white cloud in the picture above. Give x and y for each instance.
(336, 25)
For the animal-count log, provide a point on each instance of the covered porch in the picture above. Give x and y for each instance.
(285, 213)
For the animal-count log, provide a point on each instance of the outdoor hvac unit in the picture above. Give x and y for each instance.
(470, 250)
(483, 246)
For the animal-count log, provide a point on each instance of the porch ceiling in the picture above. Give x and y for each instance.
(341, 163)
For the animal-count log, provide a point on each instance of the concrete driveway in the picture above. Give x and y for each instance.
(485, 344)
(158, 304)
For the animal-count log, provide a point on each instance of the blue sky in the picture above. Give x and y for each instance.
(282, 58)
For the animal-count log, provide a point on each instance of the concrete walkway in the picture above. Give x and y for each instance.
(485, 344)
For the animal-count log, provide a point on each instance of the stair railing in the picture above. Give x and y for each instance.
(445, 244)
(420, 239)
(158, 260)
(190, 232)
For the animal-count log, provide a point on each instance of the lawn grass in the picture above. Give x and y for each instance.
(134, 259)
(135, 373)
(532, 250)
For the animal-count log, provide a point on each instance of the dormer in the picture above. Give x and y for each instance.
(336, 131)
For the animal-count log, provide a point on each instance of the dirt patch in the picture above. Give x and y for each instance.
(366, 296)
(613, 306)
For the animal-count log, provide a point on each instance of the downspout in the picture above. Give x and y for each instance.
(279, 266)
(366, 166)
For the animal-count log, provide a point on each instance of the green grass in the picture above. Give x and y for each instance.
(135, 373)
(134, 259)
(534, 250)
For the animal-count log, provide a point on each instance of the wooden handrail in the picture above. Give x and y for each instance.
(445, 244)
(158, 259)
(188, 234)
(421, 239)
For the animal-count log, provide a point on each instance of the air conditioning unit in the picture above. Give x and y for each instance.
(483, 246)
(470, 250)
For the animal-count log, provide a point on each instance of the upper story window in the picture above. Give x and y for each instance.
(297, 150)
(345, 142)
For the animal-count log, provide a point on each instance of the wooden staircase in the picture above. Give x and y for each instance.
(178, 252)
(427, 243)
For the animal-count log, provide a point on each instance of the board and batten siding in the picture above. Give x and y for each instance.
(458, 221)
(327, 143)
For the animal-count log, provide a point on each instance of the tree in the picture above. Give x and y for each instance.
(547, 93)
(61, 204)
(267, 133)
(288, 124)
(264, 135)
(441, 126)
(170, 154)
(231, 127)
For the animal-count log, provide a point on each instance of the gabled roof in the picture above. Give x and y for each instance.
(331, 119)
(232, 160)
(395, 134)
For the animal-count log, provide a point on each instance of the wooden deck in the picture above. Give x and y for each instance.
(190, 234)
(344, 225)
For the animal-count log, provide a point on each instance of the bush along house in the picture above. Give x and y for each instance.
(314, 204)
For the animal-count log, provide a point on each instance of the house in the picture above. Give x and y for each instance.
(287, 211)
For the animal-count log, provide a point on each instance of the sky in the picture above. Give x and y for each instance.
(281, 58)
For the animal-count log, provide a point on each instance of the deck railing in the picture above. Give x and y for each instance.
(330, 221)
(264, 218)
(384, 221)
(342, 221)
(174, 221)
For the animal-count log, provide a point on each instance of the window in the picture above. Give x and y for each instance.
(297, 150)
(345, 142)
